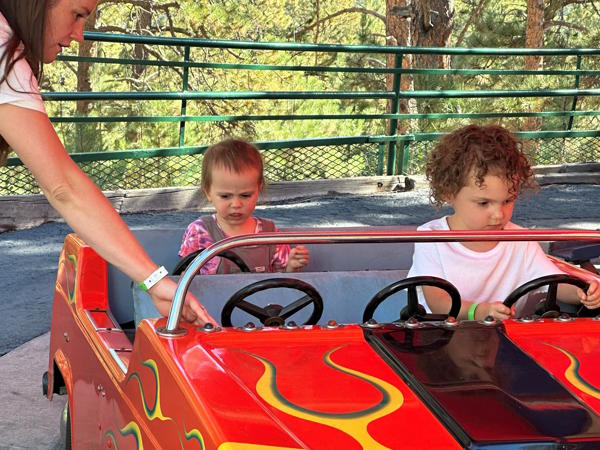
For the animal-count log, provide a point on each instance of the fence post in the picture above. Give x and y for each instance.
(405, 153)
(394, 109)
(186, 71)
(380, 156)
(574, 104)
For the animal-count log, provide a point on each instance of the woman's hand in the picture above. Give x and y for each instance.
(162, 294)
(299, 257)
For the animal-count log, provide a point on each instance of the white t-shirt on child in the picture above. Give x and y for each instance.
(480, 276)
(21, 87)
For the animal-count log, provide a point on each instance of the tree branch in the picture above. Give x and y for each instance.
(111, 29)
(593, 3)
(141, 4)
(474, 14)
(554, 6)
(309, 27)
(562, 23)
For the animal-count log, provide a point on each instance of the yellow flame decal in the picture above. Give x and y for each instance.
(573, 376)
(353, 423)
(71, 289)
(194, 434)
(155, 412)
(133, 428)
(244, 446)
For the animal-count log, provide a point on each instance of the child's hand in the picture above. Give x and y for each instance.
(299, 257)
(590, 299)
(495, 309)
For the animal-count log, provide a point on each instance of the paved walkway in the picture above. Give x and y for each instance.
(27, 419)
(29, 258)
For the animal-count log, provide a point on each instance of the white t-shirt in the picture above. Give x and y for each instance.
(480, 276)
(21, 87)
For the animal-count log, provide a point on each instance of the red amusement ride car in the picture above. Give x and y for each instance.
(339, 356)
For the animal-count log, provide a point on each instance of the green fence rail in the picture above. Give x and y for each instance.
(146, 122)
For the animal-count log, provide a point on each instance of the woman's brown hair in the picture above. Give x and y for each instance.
(27, 20)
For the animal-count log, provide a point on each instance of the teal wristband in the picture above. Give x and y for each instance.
(471, 313)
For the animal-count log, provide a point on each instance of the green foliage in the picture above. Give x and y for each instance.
(500, 24)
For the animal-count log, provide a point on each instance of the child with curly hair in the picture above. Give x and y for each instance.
(480, 171)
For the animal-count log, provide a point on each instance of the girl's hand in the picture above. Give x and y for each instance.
(591, 298)
(299, 257)
(162, 294)
(495, 309)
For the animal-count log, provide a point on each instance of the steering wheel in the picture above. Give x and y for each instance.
(273, 314)
(414, 308)
(227, 254)
(549, 307)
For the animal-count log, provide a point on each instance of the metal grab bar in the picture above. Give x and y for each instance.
(351, 237)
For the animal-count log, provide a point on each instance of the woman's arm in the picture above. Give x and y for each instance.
(81, 203)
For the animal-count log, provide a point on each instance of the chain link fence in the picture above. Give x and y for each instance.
(307, 163)
(545, 152)
(283, 164)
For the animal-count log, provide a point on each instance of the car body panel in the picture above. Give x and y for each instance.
(346, 386)
(481, 382)
(571, 355)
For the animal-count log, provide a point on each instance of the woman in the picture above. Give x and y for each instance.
(32, 33)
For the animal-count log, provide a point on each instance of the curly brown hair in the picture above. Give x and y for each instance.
(476, 150)
(233, 154)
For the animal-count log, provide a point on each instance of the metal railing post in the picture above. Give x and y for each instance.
(380, 158)
(394, 109)
(186, 71)
(405, 153)
(574, 104)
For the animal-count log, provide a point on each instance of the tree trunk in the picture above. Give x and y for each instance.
(83, 68)
(417, 23)
(84, 85)
(144, 20)
(534, 34)
(534, 38)
(399, 33)
(433, 25)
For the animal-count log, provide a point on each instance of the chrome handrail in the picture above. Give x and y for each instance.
(354, 237)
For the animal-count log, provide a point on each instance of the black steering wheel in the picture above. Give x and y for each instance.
(549, 307)
(414, 308)
(273, 314)
(227, 254)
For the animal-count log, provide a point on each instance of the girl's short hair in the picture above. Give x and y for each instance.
(235, 155)
(476, 151)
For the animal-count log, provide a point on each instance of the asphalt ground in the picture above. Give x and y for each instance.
(28, 261)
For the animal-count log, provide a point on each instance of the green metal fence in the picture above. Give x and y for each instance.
(146, 122)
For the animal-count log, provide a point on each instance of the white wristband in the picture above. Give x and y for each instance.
(154, 278)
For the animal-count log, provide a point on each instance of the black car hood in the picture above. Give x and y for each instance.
(487, 392)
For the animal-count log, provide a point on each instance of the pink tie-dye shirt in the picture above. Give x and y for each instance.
(197, 236)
